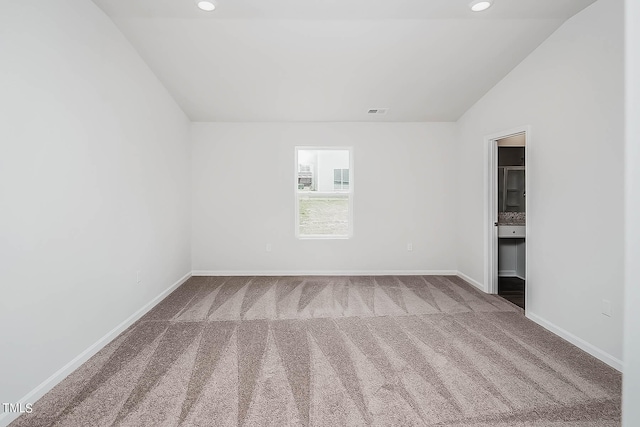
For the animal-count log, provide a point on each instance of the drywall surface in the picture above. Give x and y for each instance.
(244, 178)
(570, 90)
(631, 379)
(94, 186)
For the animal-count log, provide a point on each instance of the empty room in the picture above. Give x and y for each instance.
(365, 212)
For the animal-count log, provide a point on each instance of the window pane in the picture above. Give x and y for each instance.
(324, 215)
(321, 170)
(323, 195)
(341, 179)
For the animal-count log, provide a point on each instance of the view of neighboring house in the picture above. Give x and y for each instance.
(323, 170)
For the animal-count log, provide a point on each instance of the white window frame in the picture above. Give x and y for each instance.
(348, 192)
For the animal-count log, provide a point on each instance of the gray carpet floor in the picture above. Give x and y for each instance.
(334, 351)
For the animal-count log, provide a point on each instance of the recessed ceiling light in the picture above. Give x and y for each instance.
(480, 5)
(206, 6)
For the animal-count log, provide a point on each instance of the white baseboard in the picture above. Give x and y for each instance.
(510, 273)
(578, 342)
(62, 373)
(342, 273)
(49, 383)
(471, 281)
(507, 273)
(326, 273)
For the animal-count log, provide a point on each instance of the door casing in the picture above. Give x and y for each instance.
(491, 206)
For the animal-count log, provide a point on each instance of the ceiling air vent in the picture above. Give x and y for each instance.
(377, 111)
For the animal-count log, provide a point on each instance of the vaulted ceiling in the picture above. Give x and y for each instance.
(333, 60)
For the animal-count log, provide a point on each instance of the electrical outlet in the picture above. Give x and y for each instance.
(138, 277)
(268, 248)
(410, 247)
(606, 308)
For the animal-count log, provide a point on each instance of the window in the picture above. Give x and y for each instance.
(324, 193)
(341, 179)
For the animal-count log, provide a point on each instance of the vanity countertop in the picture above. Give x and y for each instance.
(511, 218)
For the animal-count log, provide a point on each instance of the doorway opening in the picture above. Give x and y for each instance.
(506, 203)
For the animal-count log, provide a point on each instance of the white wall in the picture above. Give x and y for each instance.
(631, 378)
(94, 186)
(243, 197)
(570, 90)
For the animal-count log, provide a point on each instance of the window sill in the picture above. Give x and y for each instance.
(323, 237)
